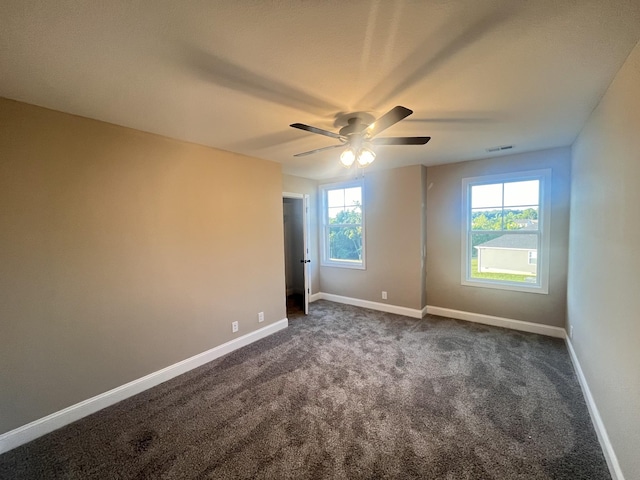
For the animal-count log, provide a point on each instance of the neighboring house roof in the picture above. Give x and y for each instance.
(527, 224)
(523, 241)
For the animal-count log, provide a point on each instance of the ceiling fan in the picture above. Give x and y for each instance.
(358, 136)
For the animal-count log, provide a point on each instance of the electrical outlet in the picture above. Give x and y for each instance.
(261, 317)
(384, 295)
(570, 331)
(234, 327)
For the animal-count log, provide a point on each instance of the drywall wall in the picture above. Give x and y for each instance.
(305, 186)
(122, 253)
(392, 205)
(604, 261)
(444, 237)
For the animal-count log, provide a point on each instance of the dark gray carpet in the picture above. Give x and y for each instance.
(344, 393)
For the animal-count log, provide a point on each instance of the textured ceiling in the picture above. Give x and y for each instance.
(233, 74)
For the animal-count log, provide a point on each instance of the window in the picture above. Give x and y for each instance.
(506, 231)
(343, 225)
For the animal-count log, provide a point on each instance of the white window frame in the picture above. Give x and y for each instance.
(325, 260)
(544, 220)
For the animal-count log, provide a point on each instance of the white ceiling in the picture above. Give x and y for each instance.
(233, 74)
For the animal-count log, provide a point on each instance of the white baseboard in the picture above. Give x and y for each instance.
(601, 431)
(382, 307)
(498, 321)
(445, 312)
(315, 296)
(42, 426)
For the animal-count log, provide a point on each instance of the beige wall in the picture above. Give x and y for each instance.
(122, 253)
(393, 236)
(604, 261)
(444, 236)
(305, 186)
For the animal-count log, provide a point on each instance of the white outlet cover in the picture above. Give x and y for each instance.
(261, 317)
(234, 327)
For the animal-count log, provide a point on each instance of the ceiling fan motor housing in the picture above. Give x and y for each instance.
(354, 127)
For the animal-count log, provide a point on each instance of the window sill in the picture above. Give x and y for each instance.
(351, 266)
(538, 289)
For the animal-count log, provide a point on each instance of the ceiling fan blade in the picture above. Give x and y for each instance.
(317, 150)
(319, 131)
(400, 140)
(392, 117)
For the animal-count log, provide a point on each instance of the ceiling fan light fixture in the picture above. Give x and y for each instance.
(347, 157)
(360, 132)
(366, 157)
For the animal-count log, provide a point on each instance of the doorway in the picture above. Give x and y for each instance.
(296, 253)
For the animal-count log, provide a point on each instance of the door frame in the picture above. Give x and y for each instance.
(305, 240)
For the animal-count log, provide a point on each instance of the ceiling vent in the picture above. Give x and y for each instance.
(500, 148)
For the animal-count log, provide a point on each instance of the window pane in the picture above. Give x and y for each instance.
(486, 219)
(335, 198)
(504, 239)
(353, 196)
(343, 230)
(521, 218)
(345, 243)
(345, 215)
(486, 196)
(504, 256)
(522, 193)
(333, 213)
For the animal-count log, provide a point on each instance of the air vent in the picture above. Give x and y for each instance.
(500, 148)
